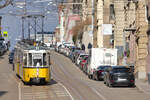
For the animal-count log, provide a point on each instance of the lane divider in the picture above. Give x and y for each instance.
(67, 91)
(98, 94)
(19, 90)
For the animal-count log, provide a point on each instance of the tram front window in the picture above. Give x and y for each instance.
(44, 59)
(37, 62)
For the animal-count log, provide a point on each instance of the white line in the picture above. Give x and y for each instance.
(98, 94)
(67, 91)
(19, 87)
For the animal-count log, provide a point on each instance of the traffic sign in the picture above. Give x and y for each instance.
(5, 34)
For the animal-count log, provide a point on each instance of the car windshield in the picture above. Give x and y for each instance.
(85, 58)
(81, 56)
(11, 54)
(121, 70)
(103, 67)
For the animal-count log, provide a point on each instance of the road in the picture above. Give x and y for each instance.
(82, 88)
(68, 83)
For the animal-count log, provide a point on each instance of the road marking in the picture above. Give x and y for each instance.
(67, 91)
(19, 87)
(98, 94)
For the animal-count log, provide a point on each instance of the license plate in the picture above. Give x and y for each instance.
(122, 79)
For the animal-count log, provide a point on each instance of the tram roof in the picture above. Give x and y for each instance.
(26, 46)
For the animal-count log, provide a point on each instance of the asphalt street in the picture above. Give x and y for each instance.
(68, 83)
(82, 88)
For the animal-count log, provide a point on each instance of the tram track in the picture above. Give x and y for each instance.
(53, 90)
(77, 87)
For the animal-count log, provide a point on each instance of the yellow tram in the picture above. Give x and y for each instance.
(32, 63)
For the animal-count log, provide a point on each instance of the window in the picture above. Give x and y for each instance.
(30, 59)
(112, 12)
(37, 62)
(146, 12)
(44, 59)
(25, 59)
(121, 70)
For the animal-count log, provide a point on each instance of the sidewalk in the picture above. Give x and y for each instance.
(143, 86)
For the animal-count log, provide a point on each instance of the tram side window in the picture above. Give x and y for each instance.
(30, 59)
(44, 59)
(25, 60)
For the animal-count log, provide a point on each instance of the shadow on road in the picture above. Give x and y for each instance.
(42, 84)
(52, 82)
(124, 86)
(2, 93)
(1, 57)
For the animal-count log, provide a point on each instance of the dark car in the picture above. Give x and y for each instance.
(11, 57)
(2, 49)
(98, 73)
(119, 76)
(73, 58)
(73, 49)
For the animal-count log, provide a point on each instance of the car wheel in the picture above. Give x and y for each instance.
(93, 77)
(90, 76)
(97, 79)
(104, 81)
(109, 84)
(132, 85)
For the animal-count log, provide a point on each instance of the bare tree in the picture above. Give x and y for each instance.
(4, 3)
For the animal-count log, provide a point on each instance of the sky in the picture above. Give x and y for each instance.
(13, 24)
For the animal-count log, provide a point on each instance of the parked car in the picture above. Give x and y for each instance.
(101, 56)
(74, 55)
(72, 50)
(85, 66)
(77, 54)
(98, 74)
(83, 61)
(11, 57)
(80, 58)
(119, 76)
(2, 49)
(57, 45)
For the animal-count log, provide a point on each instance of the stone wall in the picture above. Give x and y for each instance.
(142, 27)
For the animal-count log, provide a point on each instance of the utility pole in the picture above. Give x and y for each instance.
(23, 27)
(35, 27)
(42, 29)
(29, 27)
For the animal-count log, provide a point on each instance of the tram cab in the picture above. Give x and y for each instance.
(33, 65)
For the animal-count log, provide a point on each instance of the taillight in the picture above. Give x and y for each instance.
(131, 80)
(100, 71)
(112, 81)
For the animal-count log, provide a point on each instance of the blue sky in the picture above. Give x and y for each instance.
(13, 24)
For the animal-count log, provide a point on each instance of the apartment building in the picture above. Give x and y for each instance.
(141, 38)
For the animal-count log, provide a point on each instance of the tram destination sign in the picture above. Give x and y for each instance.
(37, 56)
